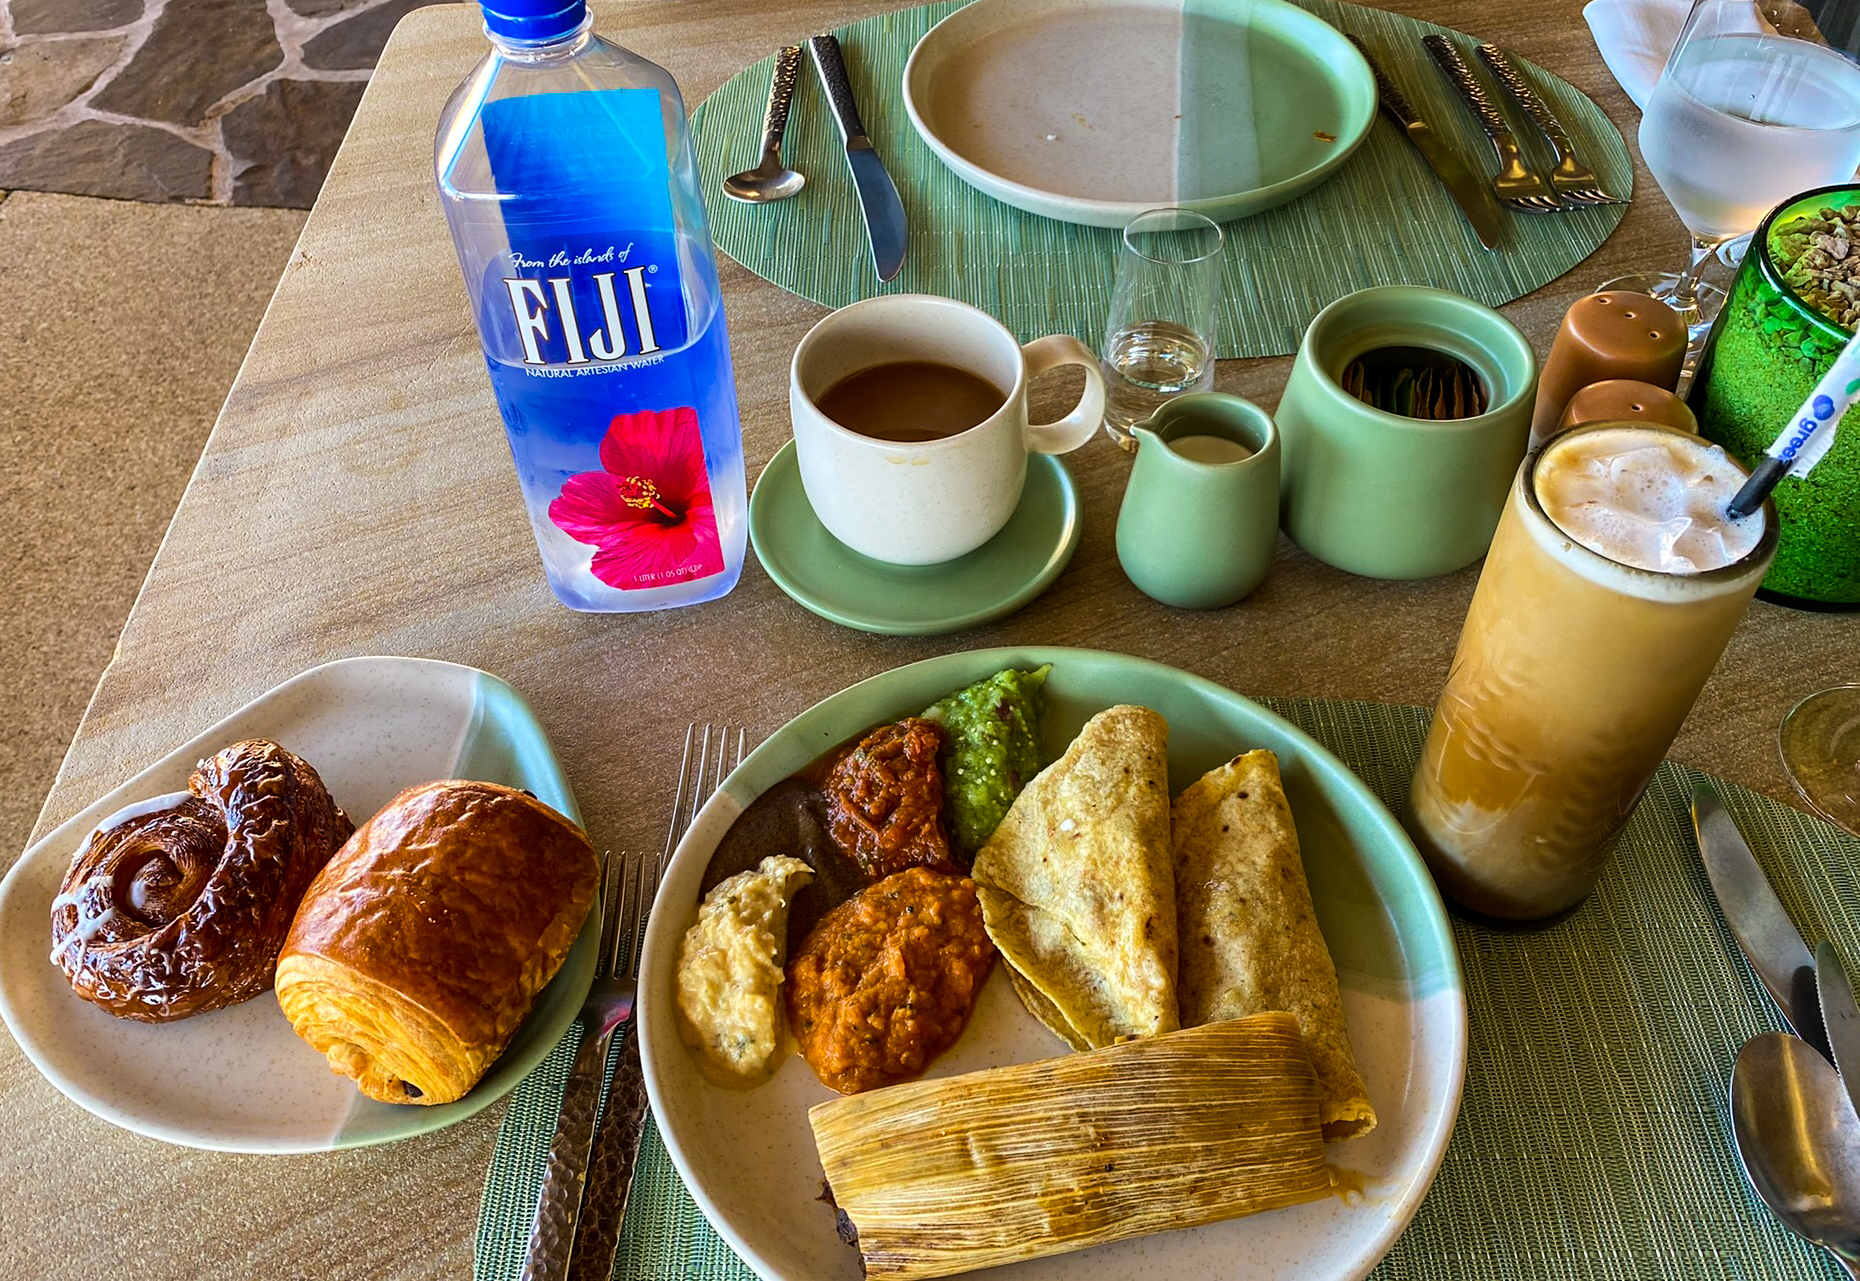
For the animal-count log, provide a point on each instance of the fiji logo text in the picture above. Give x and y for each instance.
(532, 301)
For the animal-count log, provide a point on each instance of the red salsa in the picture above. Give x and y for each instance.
(885, 982)
(885, 801)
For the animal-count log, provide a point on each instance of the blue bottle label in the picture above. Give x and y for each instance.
(588, 336)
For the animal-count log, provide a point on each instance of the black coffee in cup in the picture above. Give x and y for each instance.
(911, 400)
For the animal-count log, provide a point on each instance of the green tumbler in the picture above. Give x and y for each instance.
(1767, 350)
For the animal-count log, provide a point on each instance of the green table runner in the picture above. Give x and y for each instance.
(1592, 1140)
(1382, 219)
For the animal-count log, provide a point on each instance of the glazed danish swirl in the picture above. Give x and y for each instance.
(179, 905)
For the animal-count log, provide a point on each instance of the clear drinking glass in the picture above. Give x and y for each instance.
(1159, 340)
(1820, 743)
(1759, 100)
(1576, 666)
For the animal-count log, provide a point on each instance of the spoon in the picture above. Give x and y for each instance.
(1799, 1140)
(772, 180)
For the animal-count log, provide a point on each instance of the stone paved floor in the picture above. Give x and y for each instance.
(230, 102)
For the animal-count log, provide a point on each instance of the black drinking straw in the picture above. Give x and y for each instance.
(1762, 480)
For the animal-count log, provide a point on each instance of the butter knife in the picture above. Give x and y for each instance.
(1840, 1016)
(878, 195)
(1756, 917)
(1469, 192)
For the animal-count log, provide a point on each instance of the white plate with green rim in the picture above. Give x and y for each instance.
(748, 1155)
(239, 1079)
(1092, 111)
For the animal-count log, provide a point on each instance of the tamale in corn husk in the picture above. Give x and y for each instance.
(1042, 1158)
(1249, 935)
(1076, 888)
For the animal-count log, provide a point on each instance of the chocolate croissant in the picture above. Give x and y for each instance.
(179, 905)
(420, 949)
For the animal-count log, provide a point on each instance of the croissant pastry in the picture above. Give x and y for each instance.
(420, 949)
(179, 904)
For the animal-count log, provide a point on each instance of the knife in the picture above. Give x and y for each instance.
(1755, 915)
(878, 195)
(1469, 192)
(1840, 1016)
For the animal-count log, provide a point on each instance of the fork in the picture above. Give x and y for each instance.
(616, 1143)
(629, 883)
(1572, 179)
(1516, 186)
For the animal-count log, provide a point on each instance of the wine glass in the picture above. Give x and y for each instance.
(1756, 104)
(1820, 741)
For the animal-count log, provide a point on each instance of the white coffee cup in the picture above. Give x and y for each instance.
(924, 502)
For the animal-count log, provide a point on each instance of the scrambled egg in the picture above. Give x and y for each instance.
(730, 972)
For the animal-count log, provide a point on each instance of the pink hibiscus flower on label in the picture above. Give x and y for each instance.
(648, 510)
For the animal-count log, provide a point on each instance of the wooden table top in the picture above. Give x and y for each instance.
(357, 497)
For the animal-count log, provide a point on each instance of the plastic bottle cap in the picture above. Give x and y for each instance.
(536, 20)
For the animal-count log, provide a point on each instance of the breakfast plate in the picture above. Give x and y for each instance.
(1092, 112)
(748, 1156)
(239, 1079)
(831, 579)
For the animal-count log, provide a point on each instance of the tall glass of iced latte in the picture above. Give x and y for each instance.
(1612, 586)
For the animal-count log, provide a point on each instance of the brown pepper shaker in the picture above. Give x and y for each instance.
(1625, 399)
(1606, 336)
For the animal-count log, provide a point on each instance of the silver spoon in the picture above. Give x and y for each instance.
(772, 180)
(1799, 1140)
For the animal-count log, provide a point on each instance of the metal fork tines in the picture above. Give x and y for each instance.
(708, 759)
(1572, 179)
(629, 883)
(1516, 185)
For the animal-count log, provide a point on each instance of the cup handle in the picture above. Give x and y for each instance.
(1068, 433)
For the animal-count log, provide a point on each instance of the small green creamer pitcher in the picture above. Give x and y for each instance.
(1200, 520)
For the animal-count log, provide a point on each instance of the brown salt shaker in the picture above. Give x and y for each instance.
(1624, 399)
(1607, 336)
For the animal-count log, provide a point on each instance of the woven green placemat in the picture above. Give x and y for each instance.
(1382, 219)
(1592, 1141)
(1593, 1138)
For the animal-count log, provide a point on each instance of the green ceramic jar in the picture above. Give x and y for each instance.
(1766, 352)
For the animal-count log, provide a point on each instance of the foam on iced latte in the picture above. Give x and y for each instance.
(1649, 500)
(1612, 585)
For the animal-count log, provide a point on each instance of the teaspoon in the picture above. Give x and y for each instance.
(1799, 1140)
(772, 180)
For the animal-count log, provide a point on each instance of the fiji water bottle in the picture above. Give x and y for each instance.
(568, 179)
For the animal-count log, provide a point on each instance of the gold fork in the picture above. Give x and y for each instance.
(1516, 185)
(1572, 179)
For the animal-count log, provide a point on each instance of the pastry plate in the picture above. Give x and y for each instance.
(239, 1079)
(1091, 111)
(836, 582)
(748, 1156)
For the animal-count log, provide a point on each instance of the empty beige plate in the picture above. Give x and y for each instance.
(1091, 111)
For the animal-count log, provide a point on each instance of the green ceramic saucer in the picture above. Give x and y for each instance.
(838, 583)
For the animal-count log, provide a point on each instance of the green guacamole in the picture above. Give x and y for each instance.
(993, 751)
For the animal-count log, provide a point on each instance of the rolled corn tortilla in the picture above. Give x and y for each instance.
(1076, 886)
(1249, 935)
